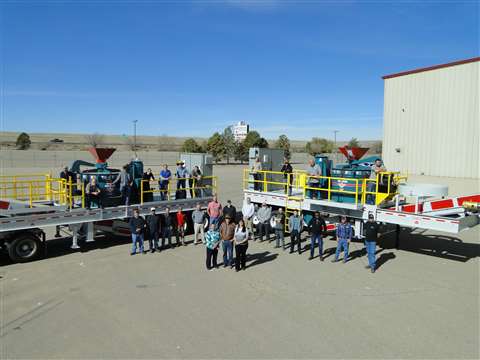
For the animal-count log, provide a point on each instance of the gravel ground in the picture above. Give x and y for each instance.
(423, 302)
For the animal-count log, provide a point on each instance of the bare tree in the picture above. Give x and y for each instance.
(94, 139)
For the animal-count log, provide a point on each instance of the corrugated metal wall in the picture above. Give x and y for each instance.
(433, 118)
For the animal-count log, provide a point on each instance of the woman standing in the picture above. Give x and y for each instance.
(241, 245)
(181, 226)
(212, 241)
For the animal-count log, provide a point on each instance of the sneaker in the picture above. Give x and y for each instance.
(310, 258)
(144, 252)
(334, 260)
(132, 253)
(290, 252)
(372, 270)
(344, 261)
(321, 258)
(367, 267)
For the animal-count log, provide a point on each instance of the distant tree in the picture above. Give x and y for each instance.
(254, 139)
(216, 147)
(377, 147)
(283, 143)
(353, 142)
(241, 152)
(228, 143)
(94, 139)
(319, 145)
(23, 141)
(190, 145)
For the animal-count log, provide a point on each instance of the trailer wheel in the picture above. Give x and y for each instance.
(24, 248)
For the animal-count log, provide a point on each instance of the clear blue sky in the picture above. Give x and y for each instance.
(191, 68)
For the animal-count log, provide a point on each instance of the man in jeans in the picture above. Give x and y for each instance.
(153, 222)
(264, 214)
(371, 235)
(137, 225)
(126, 184)
(316, 227)
(279, 228)
(198, 218)
(344, 235)
(165, 177)
(227, 232)
(295, 225)
(313, 170)
(214, 210)
(248, 210)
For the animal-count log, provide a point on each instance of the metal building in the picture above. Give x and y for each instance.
(431, 120)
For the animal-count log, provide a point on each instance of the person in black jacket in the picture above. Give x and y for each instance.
(371, 234)
(230, 210)
(137, 227)
(316, 227)
(168, 228)
(153, 222)
(287, 174)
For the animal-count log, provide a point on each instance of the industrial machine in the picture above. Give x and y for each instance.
(105, 175)
(271, 160)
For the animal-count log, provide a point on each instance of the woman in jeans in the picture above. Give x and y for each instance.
(241, 245)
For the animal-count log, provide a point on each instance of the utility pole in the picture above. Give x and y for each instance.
(135, 137)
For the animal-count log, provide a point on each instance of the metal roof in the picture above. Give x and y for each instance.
(414, 71)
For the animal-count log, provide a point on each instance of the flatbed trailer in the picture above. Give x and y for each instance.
(291, 193)
(49, 203)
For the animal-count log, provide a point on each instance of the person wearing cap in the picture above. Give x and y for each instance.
(371, 229)
(287, 171)
(227, 232)
(212, 242)
(344, 236)
(137, 226)
(180, 226)
(153, 223)
(167, 228)
(230, 210)
(264, 214)
(248, 210)
(214, 210)
(198, 218)
(182, 175)
(165, 177)
(377, 168)
(316, 227)
(295, 226)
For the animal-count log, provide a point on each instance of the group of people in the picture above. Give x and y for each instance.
(130, 191)
(314, 172)
(231, 232)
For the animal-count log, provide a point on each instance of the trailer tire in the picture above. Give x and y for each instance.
(24, 248)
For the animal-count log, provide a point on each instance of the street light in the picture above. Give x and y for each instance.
(135, 137)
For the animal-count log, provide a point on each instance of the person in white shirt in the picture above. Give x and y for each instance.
(248, 210)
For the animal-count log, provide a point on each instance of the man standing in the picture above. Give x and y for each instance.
(126, 183)
(212, 241)
(316, 227)
(257, 175)
(264, 215)
(168, 226)
(182, 175)
(248, 210)
(137, 225)
(287, 175)
(279, 219)
(295, 225)
(198, 218)
(313, 170)
(344, 236)
(165, 177)
(371, 235)
(227, 232)
(214, 211)
(153, 223)
(230, 210)
(377, 168)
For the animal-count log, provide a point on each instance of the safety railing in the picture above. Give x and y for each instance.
(356, 191)
(34, 188)
(206, 186)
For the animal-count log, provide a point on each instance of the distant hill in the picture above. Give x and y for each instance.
(75, 142)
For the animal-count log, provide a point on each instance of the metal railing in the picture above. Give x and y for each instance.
(327, 186)
(207, 186)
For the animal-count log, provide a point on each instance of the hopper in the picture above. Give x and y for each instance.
(353, 153)
(101, 155)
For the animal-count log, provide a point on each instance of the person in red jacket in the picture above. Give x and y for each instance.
(181, 226)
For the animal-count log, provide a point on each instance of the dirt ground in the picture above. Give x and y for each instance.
(100, 302)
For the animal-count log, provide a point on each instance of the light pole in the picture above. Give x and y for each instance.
(135, 137)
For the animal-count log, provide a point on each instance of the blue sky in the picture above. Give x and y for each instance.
(191, 68)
